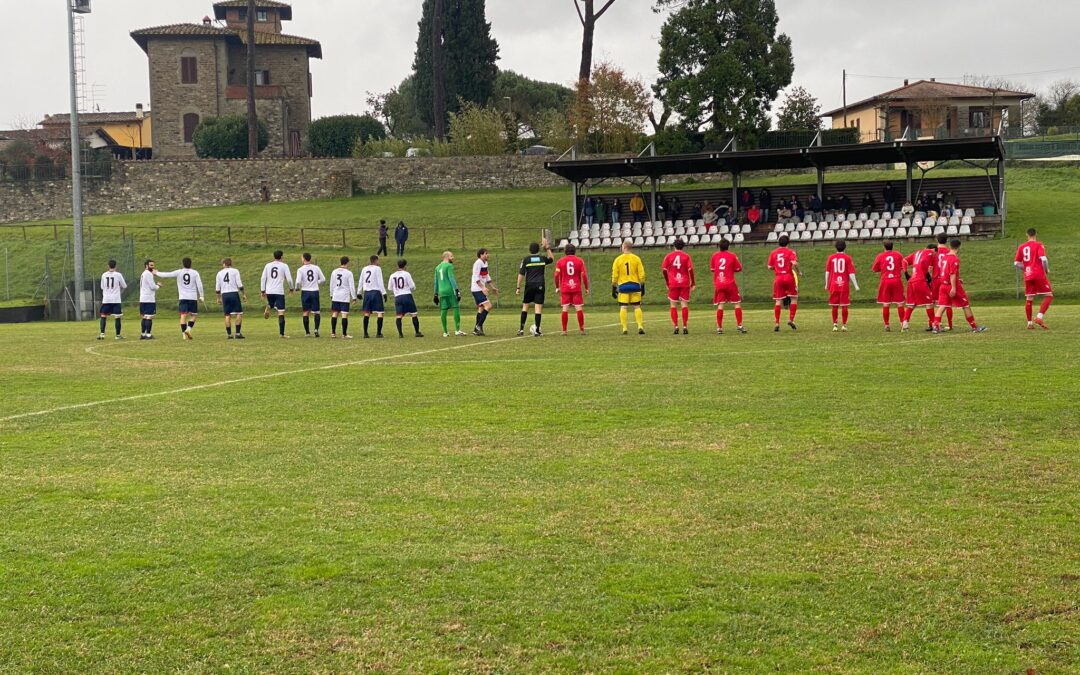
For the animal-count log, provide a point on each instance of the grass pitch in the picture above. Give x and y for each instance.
(859, 502)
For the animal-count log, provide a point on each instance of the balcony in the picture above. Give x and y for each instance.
(269, 91)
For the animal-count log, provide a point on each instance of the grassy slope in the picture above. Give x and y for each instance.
(908, 505)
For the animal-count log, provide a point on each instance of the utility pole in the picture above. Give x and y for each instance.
(845, 98)
(252, 116)
(76, 164)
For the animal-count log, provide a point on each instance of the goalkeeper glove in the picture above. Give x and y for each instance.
(384, 297)
(643, 290)
(436, 301)
(614, 292)
(457, 293)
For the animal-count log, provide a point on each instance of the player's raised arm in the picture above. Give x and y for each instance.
(168, 275)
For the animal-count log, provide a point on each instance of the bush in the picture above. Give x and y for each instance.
(337, 136)
(378, 148)
(226, 137)
(476, 130)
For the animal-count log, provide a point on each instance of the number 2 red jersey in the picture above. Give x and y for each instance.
(570, 274)
(1030, 255)
(839, 266)
(723, 266)
(678, 269)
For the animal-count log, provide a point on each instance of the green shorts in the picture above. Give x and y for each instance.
(448, 301)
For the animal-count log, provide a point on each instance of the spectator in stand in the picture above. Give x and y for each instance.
(939, 200)
(589, 209)
(637, 207)
(764, 197)
(830, 204)
(601, 211)
(724, 210)
(889, 195)
(867, 203)
(675, 206)
(709, 214)
(382, 238)
(661, 207)
(616, 211)
(401, 235)
(815, 206)
(695, 213)
(746, 200)
(753, 214)
(908, 209)
(797, 209)
(783, 213)
(844, 204)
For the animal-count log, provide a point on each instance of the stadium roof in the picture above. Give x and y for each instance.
(895, 152)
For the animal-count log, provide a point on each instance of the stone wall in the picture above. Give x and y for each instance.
(162, 185)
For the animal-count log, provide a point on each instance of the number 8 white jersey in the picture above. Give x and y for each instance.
(308, 277)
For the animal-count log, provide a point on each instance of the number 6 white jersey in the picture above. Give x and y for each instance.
(274, 277)
(112, 283)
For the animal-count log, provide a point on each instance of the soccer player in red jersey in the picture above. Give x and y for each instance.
(890, 265)
(839, 278)
(724, 265)
(678, 271)
(922, 263)
(1031, 258)
(939, 273)
(952, 292)
(573, 284)
(785, 265)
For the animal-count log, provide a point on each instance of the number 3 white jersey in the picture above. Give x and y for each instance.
(342, 285)
(228, 281)
(401, 283)
(308, 277)
(188, 283)
(112, 283)
(274, 277)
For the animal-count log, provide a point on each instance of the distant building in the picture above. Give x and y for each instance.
(931, 109)
(127, 135)
(199, 71)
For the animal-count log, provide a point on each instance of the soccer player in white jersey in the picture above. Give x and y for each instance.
(190, 289)
(148, 288)
(481, 285)
(372, 292)
(342, 295)
(112, 286)
(402, 286)
(230, 292)
(308, 279)
(276, 275)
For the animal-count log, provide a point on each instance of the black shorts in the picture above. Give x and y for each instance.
(276, 302)
(534, 295)
(405, 304)
(373, 302)
(340, 307)
(189, 306)
(147, 308)
(309, 301)
(230, 304)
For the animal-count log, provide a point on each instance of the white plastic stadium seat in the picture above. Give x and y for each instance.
(666, 223)
(818, 235)
(942, 221)
(717, 238)
(901, 232)
(840, 234)
(864, 233)
(917, 222)
(830, 218)
(952, 230)
(790, 227)
(970, 213)
(905, 222)
(889, 233)
(965, 230)
(940, 229)
(926, 231)
(700, 221)
(650, 241)
(693, 241)
(723, 229)
(954, 220)
(680, 231)
(563, 243)
(719, 221)
(830, 235)
(639, 241)
(779, 227)
(811, 227)
(773, 236)
(877, 216)
(739, 239)
(967, 220)
(801, 227)
(862, 216)
(747, 229)
(605, 243)
(851, 217)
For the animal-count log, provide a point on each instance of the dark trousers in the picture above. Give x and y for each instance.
(382, 247)
(401, 248)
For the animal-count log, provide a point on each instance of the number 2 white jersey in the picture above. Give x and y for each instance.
(112, 284)
(342, 285)
(188, 283)
(308, 277)
(228, 281)
(371, 279)
(274, 277)
(401, 283)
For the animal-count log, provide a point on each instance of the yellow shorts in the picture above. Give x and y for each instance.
(629, 298)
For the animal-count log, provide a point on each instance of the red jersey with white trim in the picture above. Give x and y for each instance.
(921, 262)
(941, 261)
(950, 266)
(890, 265)
(570, 275)
(1031, 255)
(838, 267)
(724, 265)
(780, 261)
(678, 269)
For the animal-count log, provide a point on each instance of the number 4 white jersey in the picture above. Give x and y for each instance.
(401, 283)
(342, 285)
(274, 277)
(112, 284)
(308, 278)
(228, 281)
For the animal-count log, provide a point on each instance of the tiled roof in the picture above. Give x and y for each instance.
(93, 118)
(194, 29)
(142, 36)
(283, 9)
(314, 48)
(925, 89)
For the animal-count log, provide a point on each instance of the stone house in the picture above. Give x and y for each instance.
(199, 71)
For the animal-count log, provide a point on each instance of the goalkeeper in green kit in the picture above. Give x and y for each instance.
(447, 294)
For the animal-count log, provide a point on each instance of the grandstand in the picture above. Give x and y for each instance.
(983, 197)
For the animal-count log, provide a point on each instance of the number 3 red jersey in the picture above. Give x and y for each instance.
(570, 276)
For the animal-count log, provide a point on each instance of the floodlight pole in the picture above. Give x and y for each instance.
(76, 171)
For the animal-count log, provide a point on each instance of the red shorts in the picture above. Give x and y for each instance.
(960, 301)
(677, 294)
(891, 292)
(575, 298)
(784, 287)
(1037, 287)
(728, 293)
(918, 293)
(840, 298)
(935, 288)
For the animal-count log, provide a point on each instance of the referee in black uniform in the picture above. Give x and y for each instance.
(533, 272)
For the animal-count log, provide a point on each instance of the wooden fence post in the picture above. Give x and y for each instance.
(303, 242)
(90, 234)
(266, 234)
(228, 231)
(463, 238)
(423, 231)
(193, 235)
(55, 232)
(502, 231)
(343, 237)
(158, 233)
(24, 233)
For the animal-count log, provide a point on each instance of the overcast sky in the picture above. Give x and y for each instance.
(368, 45)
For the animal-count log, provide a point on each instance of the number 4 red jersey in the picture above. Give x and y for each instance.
(678, 269)
(570, 276)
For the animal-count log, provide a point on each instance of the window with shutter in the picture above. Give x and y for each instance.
(191, 122)
(189, 70)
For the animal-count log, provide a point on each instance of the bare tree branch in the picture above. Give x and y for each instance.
(580, 17)
(603, 9)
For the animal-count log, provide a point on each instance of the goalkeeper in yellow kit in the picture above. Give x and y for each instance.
(628, 286)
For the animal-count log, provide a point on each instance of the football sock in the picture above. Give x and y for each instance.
(565, 320)
(118, 326)
(367, 322)
(101, 322)
(238, 326)
(333, 325)
(318, 322)
(149, 326)
(142, 327)
(344, 326)
(1028, 309)
(835, 313)
(378, 325)
(949, 314)
(457, 319)
(581, 319)
(930, 315)
(885, 314)
(622, 318)
(416, 323)
(281, 325)
(776, 313)
(479, 319)
(399, 331)
(191, 324)
(738, 316)
(675, 316)
(900, 313)
(228, 330)
(1045, 305)
(719, 318)
(685, 316)
(639, 317)
(307, 325)
(183, 328)
(971, 320)
(791, 312)
(844, 315)
(537, 318)
(524, 318)
(442, 317)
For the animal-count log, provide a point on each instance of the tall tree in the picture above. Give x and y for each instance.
(252, 115)
(800, 112)
(469, 54)
(588, 15)
(722, 63)
(610, 110)
(438, 69)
